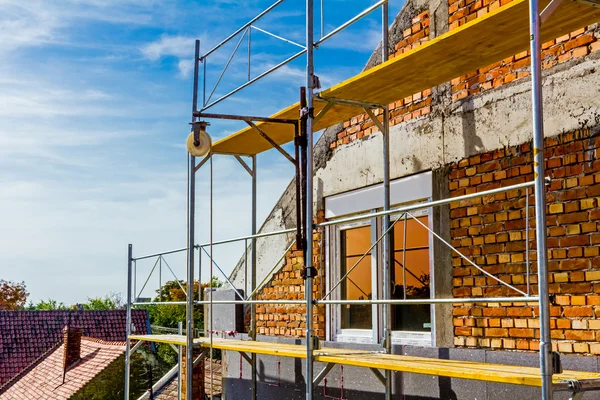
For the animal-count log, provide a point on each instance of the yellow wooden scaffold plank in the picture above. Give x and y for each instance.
(500, 373)
(481, 42)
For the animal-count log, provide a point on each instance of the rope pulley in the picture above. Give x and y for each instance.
(199, 142)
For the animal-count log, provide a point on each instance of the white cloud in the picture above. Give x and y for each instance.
(176, 46)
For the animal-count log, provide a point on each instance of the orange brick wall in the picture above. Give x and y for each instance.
(415, 106)
(491, 231)
(576, 44)
(287, 284)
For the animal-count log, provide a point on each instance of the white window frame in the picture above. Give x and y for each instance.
(415, 188)
(416, 338)
(353, 335)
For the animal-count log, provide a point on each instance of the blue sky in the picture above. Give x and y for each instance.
(95, 101)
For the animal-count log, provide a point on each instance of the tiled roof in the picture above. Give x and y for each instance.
(45, 380)
(25, 336)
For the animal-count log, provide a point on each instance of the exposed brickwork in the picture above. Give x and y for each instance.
(491, 231)
(197, 380)
(287, 284)
(415, 106)
(576, 44)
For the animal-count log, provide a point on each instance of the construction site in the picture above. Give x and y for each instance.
(404, 260)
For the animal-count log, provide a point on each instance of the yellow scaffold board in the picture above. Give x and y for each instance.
(481, 42)
(500, 373)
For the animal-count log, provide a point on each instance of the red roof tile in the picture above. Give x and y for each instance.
(45, 380)
(25, 336)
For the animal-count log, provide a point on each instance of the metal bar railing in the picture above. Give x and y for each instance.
(351, 21)
(467, 300)
(174, 276)
(466, 258)
(277, 36)
(234, 91)
(237, 239)
(222, 273)
(247, 24)
(421, 206)
(148, 279)
(237, 46)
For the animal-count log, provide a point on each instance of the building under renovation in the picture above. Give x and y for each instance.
(428, 276)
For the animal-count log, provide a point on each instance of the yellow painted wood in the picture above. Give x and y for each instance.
(499, 373)
(481, 42)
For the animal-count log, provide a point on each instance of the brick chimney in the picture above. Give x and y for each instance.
(72, 343)
(197, 378)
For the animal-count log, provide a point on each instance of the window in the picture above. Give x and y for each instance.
(354, 244)
(411, 278)
(354, 251)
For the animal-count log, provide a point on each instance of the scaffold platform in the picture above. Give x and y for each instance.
(499, 373)
(499, 34)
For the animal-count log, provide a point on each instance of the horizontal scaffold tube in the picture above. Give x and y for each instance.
(412, 207)
(357, 302)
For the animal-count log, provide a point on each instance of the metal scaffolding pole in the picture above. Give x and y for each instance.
(189, 335)
(308, 223)
(540, 200)
(386, 244)
(128, 322)
(253, 277)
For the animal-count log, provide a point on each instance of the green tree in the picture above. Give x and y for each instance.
(47, 305)
(112, 301)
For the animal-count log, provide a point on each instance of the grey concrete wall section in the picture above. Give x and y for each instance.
(227, 317)
(443, 328)
(283, 378)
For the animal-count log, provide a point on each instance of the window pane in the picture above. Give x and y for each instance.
(357, 286)
(412, 263)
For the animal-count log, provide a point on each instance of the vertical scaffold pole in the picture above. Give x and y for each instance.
(128, 322)
(253, 277)
(386, 243)
(308, 223)
(189, 332)
(540, 200)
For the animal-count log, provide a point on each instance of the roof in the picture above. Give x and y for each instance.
(45, 379)
(483, 41)
(25, 336)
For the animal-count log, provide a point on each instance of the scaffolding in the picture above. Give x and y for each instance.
(500, 33)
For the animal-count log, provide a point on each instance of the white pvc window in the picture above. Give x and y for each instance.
(411, 279)
(348, 247)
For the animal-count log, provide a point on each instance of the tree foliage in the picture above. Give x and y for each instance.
(169, 315)
(13, 295)
(47, 305)
(112, 301)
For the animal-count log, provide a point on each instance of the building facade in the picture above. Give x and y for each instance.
(469, 135)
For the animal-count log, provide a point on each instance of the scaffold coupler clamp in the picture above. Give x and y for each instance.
(300, 141)
(576, 390)
(308, 272)
(316, 342)
(306, 112)
(556, 363)
(316, 82)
